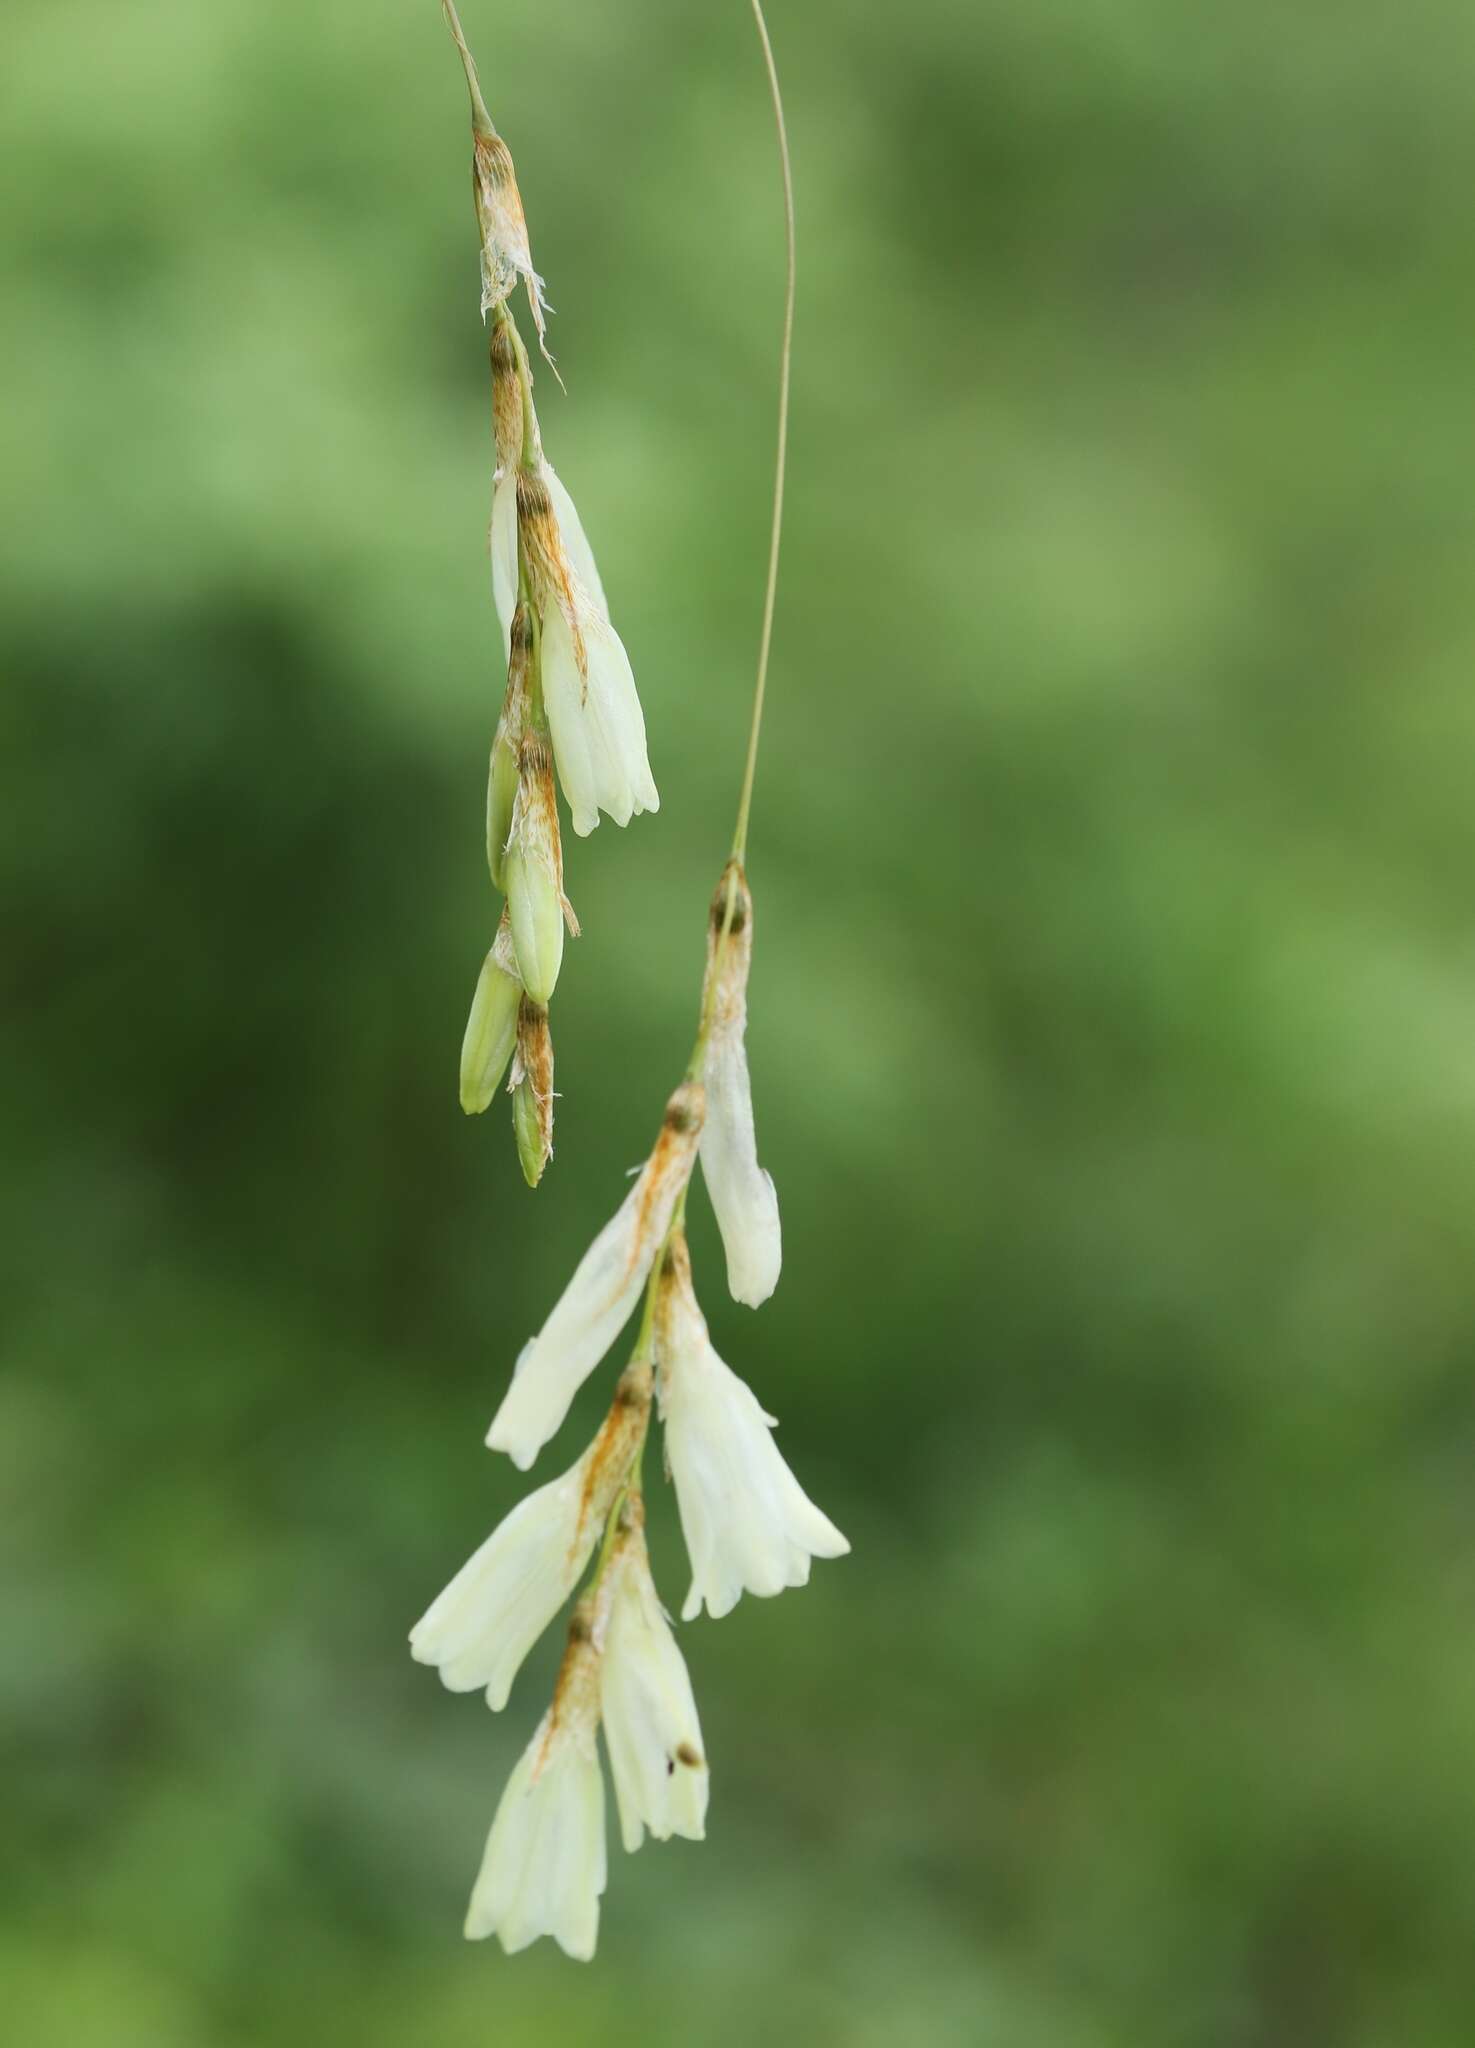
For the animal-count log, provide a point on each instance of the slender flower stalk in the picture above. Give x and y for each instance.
(747, 1522)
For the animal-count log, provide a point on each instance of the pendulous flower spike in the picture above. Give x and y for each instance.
(571, 715)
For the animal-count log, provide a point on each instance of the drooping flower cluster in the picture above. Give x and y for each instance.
(571, 713)
(570, 707)
(747, 1522)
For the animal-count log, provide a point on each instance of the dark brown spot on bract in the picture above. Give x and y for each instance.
(719, 913)
(533, 501)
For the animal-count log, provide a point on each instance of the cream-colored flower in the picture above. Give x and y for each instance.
(589, 690)
(650, 1718)
(478, 1631)
(743, 1195)
(544, 1868)
(597, 1302)
(749, 1525)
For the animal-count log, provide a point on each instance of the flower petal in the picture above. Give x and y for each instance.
(598, 1301)
(479, 1630)
(650, 1718)
(749, 1525)
(544, 1866)
(504, 555)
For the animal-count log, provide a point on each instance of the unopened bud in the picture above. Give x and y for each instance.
(501, 796)
(502, 771)
(491, 1029)
(742, 1193)
(532, 1091)
(532, 872)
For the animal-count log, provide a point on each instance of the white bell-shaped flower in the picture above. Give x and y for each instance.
(478, 1631)
(544, 1868)
(596, 1304)
(743, 1195)
(650, 1718)
(595, 718)
(749, 1525)
(589, 691)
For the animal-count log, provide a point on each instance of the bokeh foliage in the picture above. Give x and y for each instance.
(1114, 1021)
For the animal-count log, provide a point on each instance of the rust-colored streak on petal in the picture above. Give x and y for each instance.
(668, 1168)
(548, 564)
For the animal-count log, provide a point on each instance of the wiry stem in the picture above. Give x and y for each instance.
(745, 800)
(480, 118)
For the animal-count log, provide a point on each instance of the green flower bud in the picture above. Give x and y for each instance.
(532, 1091)
(527, 1128)
(501, 796)
(536, 910)
(491, 1031)
(532, 872)
(502, 772)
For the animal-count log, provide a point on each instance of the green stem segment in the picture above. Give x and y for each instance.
(481, 120)
(770, 595)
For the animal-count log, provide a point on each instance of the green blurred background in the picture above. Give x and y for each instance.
(1113, 1023)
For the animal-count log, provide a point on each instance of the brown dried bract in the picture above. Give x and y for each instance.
(535, 815)
(615, 1446)
(507, 417)
(729, 952)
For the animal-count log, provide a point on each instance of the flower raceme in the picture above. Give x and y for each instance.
(747, 1523)
(571, 716)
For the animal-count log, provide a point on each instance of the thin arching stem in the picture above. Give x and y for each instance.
(745, 800)
(480, 117)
